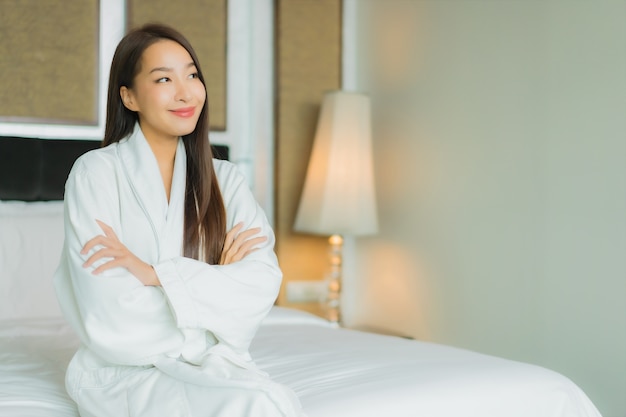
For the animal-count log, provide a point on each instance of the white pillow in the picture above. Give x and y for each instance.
(31, 240)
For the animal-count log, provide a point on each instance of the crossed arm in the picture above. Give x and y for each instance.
(237, 245)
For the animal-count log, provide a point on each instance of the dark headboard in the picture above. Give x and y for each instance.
(36, 169)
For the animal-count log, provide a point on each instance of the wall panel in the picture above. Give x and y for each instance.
(49, 61)
(308, 54)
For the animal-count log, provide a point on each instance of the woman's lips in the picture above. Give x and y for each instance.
(184, 112)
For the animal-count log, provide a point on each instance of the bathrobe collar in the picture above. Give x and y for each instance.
(139, 161)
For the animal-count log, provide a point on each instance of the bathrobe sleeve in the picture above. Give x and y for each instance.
(229, 300)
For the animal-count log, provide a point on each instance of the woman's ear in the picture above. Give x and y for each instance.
(128, 98)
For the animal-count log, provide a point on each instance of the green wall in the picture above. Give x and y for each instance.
(500, 148)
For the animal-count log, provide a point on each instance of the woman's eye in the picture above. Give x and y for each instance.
(162, 80)
(194, 75)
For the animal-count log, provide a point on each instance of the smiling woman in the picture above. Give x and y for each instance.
(164, 300)
(167, 96)
(166, 93)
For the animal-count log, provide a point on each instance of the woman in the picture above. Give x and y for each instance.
(164, 300)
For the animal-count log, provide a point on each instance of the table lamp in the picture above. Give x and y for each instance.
(338, 198)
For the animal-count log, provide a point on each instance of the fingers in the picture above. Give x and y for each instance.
(110, 248)
(117, 255)
(237, 254)
(107, 265)
(102, 253)
(238, 245)
(231, 235)
(106, 240)
(243, 240)
(108, 230)
(98, 240)
(250, 244)
(247, 234)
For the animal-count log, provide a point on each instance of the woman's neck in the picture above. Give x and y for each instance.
(165, 154)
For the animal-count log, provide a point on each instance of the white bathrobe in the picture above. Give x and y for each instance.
(176, 350)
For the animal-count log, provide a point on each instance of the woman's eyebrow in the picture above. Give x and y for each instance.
(160, 69)
(168, 69)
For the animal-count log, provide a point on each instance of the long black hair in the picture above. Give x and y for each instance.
(205, 215)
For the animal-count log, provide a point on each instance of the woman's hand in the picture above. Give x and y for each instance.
(122, 257)
(239, 245)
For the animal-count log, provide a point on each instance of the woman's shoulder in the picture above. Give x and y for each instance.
(230, 179)
(95, 162)
(226, 171)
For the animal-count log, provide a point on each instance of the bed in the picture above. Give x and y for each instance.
(334, 371)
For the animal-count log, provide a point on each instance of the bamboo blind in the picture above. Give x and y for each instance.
(49, 61)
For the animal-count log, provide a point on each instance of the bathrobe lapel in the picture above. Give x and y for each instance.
(172, 235)
(142, 173)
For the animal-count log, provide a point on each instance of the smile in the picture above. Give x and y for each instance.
(184, 112)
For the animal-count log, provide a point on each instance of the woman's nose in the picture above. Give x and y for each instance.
(183, 92)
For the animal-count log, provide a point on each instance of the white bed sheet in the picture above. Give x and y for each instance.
(335, 372)
(344, 373)
(33, 357)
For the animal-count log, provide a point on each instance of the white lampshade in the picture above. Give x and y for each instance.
(338, 195)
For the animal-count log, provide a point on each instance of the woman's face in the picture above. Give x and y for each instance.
(167, 93)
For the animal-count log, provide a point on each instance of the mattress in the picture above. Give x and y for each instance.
(335, 372)
(33, 357)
